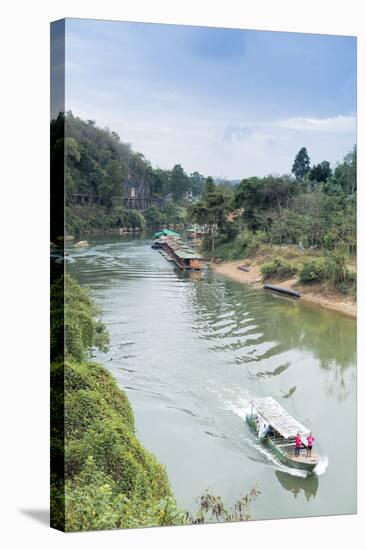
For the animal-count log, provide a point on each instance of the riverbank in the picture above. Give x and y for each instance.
(99, 220)
(102, 476)
(312, 293)
(242, 343)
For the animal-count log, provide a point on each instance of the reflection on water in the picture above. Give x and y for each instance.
(309, 485)
(290, 392)
(237, 320)
(192, 349)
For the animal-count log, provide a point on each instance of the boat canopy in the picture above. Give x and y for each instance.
(186, 254)
(166, 232)
(278, 418)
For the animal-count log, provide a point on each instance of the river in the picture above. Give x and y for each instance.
(190, 350)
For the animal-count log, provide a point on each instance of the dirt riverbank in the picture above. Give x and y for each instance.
(312, 293)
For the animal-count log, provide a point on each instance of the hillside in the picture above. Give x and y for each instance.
(110, 185)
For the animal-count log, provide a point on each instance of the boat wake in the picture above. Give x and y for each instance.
(241, 408)
(274, 462)
(321, 467)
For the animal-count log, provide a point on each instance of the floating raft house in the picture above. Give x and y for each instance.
(184, 257)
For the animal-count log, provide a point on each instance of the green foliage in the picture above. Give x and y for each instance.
(249, 242)
(92, 504)
(312, 270)
(318, 216)
(345, 175)
(337, 272)
(99, 424)
(179, 182)
(301, 165)
(174, 213)
(212, 509)
(331, 271)
(245, 243)
(126, 217)
(155, 217)
(97, 218)
(98, 164)
(320, 172)
(211, 210)
(278, 268)
(112, 481)
(102, 477)
(196, 184)
(262, 199)
(75, 328)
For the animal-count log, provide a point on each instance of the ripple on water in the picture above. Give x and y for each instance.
(191, 353)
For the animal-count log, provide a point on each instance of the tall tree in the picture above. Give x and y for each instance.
(196, 183)
(258, 195)
(320, 172)
(209, 186)
(211, 210)
(301, 165)
(345, 174)
(179, 182)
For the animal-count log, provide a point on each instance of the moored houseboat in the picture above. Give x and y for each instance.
(278, 429)
(184, 257)
(157, 242)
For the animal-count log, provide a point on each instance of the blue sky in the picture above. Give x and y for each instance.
(227, 103)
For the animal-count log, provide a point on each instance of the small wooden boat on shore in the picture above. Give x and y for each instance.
(283, 290)
(276, 428)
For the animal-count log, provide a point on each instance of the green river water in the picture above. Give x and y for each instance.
(190, 350)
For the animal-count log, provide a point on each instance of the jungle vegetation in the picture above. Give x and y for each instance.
(101, 475)
(313, 209)
(99, 164)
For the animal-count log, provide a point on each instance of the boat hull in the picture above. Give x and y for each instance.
(285, 458)
(283, 290)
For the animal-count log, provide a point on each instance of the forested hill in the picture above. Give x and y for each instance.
(100, 164)
(108, 185)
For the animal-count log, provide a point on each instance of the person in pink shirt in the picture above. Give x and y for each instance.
(310, 441)
(297, 444)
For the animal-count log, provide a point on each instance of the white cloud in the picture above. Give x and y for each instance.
(172, 128)
(339, 124)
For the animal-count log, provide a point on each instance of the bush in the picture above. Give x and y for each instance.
(73, 321)
(331, 271)
(248, 242)
(244, 244)
(155, 217)
(111, 480)
(278, 268)
(312, 270)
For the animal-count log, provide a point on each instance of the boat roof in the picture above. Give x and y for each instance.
(182, 250)
(166, 232)
(187, 254)
(278, 418)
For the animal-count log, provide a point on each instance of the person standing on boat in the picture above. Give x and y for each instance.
(310, 441)
(297, 444)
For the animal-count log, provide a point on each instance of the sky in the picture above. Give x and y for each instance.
(224, 102)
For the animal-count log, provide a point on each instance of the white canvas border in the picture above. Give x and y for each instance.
(24, 218)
